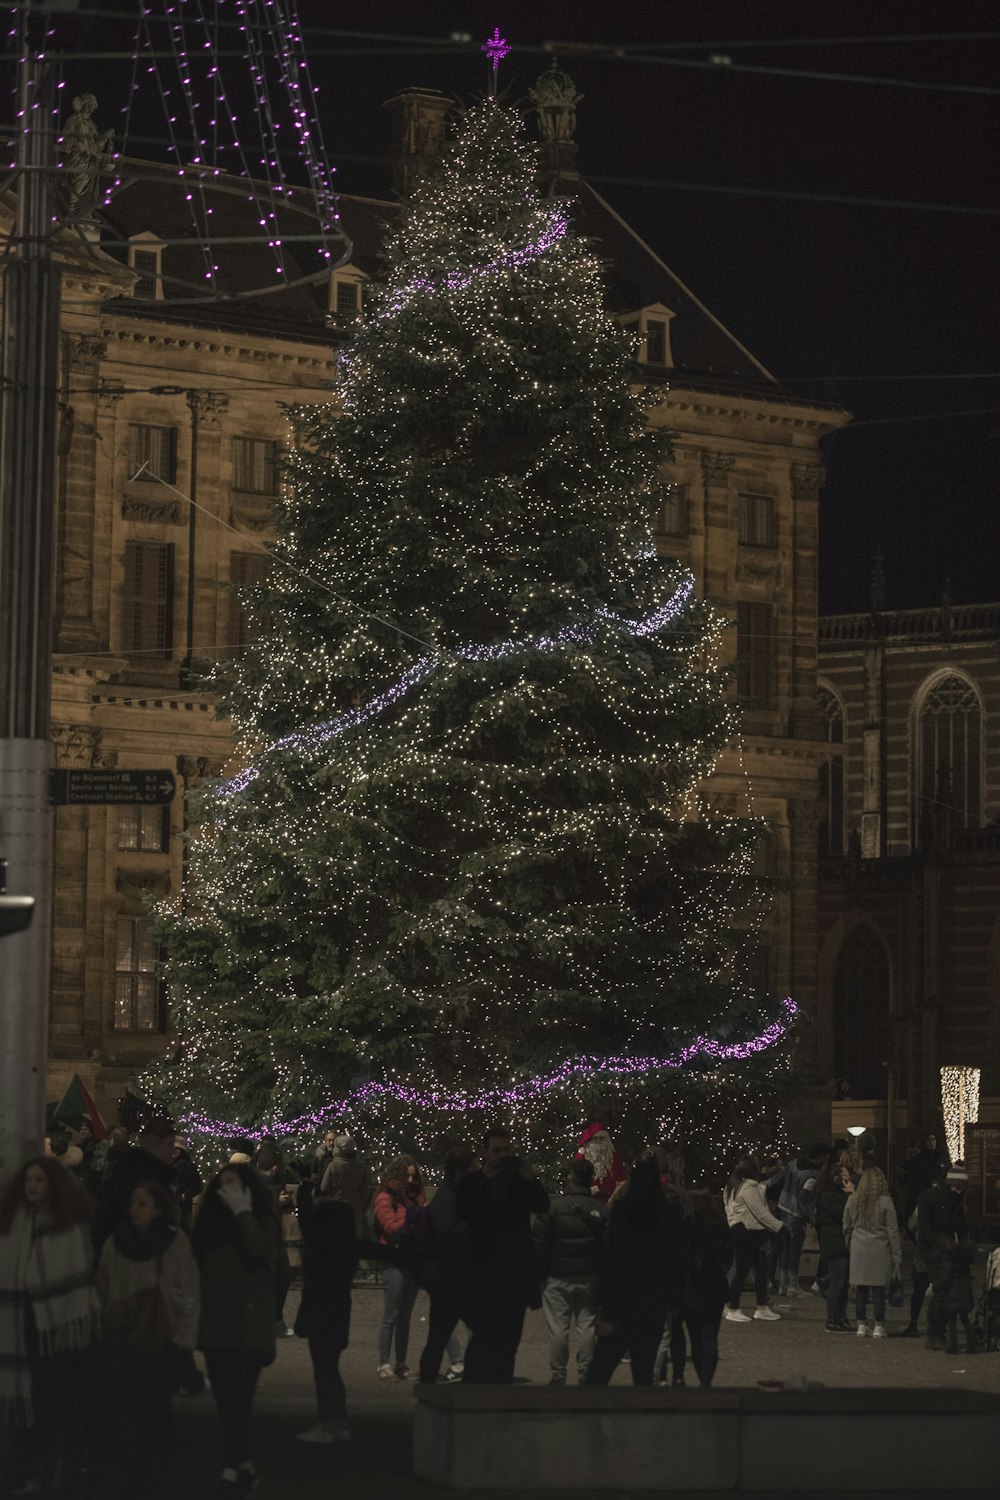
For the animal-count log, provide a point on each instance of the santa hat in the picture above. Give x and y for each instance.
(595, 1129)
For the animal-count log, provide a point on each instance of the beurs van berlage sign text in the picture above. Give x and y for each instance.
(97, 787)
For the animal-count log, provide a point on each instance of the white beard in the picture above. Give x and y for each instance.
(600, 1153)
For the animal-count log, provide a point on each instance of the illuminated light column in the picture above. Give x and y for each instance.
(959, 1105)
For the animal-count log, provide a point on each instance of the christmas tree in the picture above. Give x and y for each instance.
(466, 870)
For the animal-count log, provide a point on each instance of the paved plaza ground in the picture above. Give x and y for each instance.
(376, 1462)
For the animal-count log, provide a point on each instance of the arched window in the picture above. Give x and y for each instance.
(862, 1033)
(949, 738)
(831, 777)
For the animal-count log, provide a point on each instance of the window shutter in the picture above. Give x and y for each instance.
(246, 570)
(755, 653)
(147, 622)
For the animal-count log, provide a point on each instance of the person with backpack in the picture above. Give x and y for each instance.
(940, 1222)
(795, 1185)
(394, 1210)
(568, 1241)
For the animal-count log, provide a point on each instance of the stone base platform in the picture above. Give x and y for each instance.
(621, 1439)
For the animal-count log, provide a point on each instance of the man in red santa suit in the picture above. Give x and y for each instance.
(609, 1169)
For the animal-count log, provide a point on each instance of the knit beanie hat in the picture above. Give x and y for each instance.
(957, 1176)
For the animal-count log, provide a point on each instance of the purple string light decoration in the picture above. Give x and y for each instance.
(496, 50)
(310, 741)
(529, 1090)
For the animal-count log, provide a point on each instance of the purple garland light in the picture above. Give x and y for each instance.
(312, 740)
(512, 260)
(526, 1091)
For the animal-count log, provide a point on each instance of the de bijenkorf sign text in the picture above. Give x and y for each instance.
(103, 788)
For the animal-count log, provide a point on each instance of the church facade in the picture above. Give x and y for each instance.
(175, 414)
(909, 844)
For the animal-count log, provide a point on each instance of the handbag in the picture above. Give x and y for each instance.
(896, 1292)
(141, 1324)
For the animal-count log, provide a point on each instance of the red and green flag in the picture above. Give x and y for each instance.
(77, 1103)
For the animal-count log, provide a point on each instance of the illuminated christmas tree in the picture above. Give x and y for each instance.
(466, 862)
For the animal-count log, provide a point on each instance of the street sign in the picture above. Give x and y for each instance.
(96, 787)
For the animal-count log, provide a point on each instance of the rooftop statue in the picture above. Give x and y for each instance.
(555, 99)
(86, 157)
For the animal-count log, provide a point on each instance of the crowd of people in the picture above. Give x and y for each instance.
(118, 1262)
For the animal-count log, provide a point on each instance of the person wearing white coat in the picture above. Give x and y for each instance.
(751, 1224)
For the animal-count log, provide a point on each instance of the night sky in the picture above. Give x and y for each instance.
(822, 293)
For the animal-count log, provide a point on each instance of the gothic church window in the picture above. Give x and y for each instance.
(862, 1030)
(949, 741)
(831, 777)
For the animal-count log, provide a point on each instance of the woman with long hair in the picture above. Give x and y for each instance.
(871, 1234)
(751, 1224)
(834, 1186)
(149, 1287)
(235, 1241)
(401, 1191)
(48, 1312)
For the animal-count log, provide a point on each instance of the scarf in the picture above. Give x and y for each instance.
(144, 1244)
(47, 1275)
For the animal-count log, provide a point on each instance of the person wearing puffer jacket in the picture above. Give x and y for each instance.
(751, 1223)
(795, 1184)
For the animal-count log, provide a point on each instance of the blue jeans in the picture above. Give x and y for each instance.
(791, 1250)
(836, 1288)
(400, 1289)
(861, 1302)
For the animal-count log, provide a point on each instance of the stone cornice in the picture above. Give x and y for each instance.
(225, 348)
(745, 409)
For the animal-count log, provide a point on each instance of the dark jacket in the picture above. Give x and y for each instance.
(920, 1173)
(642, 1273)
(955, 1286)
(568, 1237)
(329, 1261)
(498, 1213)
(238, 1257)
(129, 1169)
(940, 1221)
(829, 1222)
(707, 1253)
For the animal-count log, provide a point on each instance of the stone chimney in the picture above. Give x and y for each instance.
(417, 119)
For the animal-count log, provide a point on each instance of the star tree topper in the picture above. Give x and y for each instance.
(496, 50)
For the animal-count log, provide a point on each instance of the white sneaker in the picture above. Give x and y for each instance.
(862, 1330)
(386, 1372)
(878, 1332)
(765, 1315)
(321, 1433)
(402, 1372)
(733, 1315)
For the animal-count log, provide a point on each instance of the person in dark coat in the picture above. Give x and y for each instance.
(833, 1188)
(235, 1239)
(940, 1222)
(496, 1203)
(706, 1250)
(151, 1159)
(641, 1276)
(922, 1170)
(568, 1240)
(329, 1261)
(954, 1291)
(443, 1270)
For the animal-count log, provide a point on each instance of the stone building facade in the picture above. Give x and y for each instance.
(173, 423)
(909, 843)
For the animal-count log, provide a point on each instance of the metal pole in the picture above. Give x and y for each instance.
(193, 398)
(27, 489)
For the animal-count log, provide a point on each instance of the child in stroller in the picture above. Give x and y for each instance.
(986, 1329)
